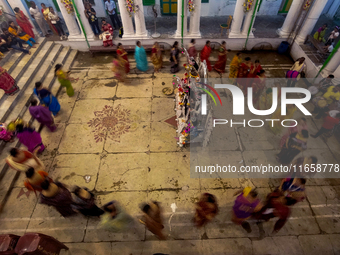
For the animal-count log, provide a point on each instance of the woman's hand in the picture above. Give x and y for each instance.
(35, 152)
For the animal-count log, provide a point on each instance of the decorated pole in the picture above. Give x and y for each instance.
(182, 30)
(252, 20)
(337, 46)
(81, 24)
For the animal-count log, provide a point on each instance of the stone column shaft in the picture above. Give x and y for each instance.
(70, 20)
(247, 21)
(291, 18)
(311, 19)
(179, 19)
(89, 33)
(334, 63)
(195, 21)
(236, 24)
(126, 20)
(141, 31)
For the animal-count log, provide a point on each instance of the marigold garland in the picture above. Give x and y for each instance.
(191, 5)
(130, 7)
(307, 4)
(247, 5)
(68, 6)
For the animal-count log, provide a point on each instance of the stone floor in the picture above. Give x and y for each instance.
(143, 162)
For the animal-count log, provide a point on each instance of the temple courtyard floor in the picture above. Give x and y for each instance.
(135, 158)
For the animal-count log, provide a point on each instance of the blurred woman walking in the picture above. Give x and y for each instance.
(64, 79)
(156, 57)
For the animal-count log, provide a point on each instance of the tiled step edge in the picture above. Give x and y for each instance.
(10, 70)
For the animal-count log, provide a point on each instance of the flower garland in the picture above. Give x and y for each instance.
(68, 6)
(191, 5)
(130, 7)
(247, 5)
(307, 4)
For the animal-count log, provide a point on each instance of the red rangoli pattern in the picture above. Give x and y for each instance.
(111, 122)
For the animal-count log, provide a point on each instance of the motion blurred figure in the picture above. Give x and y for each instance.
(42, 114)
(84, 202)
(57, 195)
(152, 219)
(245, 204)
(206, 209)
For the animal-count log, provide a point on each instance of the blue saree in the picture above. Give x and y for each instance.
(46, 98)
(141, 60)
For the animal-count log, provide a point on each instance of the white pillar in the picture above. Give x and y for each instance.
(74, 32)
(247, 21)
(291, 18)
(333, 64)
(19, 4)
(334, 7)
(89, 33)
(311, 20)
(235, 31)
(195, 18)
(141, 31)
(179, 19)
(126, 20)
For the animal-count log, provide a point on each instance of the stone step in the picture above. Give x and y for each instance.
(46, 68)
(17, 62)
(47, 79)
(10, 103)
(26, 60)
(50, 77)
(8, 177)
(66, 66)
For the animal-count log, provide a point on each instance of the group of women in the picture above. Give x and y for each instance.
(277, 204)
(319, 35)
(246, 74)
(43, 113)
(121, 65)
(49, 15)
(52, 22)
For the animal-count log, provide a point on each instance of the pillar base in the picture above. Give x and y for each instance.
(195, 35)
(251, 35)
(178, 34)
(324, 73)
(91, 39)
(143, 36)
(282, 33)
(236, 35)
(128, 36)
(300, 40)
(76, 38)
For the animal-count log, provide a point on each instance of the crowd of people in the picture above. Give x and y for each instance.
(243, 72)
(320, 34)
(247, 206)
(43, 111)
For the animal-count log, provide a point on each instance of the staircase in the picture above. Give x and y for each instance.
(27, 70)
